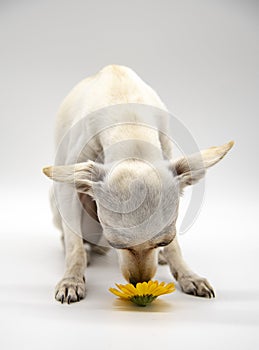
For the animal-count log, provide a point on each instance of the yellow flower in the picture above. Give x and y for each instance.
(144, 293)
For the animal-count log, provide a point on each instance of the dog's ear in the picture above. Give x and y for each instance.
(82, 175)
(191, 169)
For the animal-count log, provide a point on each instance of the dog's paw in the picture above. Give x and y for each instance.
(161, 258)
(70, 290)
(197, 286)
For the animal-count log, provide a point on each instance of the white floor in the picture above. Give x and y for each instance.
(31, 260)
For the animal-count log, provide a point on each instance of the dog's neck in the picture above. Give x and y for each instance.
(134, 141)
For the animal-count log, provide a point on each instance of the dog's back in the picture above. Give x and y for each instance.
(112, 85)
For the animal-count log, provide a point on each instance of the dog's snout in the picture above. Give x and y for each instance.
(140, 266)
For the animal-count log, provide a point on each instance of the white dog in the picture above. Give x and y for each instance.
(115, 166)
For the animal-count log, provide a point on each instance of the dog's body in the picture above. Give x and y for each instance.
(121, 137)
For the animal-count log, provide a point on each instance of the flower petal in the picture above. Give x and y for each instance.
(118, 293)
(160, 290)
(139, 289)
(152, 287)
(171, 285)
(118, 285)
(126, 291)
(157, 292)
(131, 288)
(145, 288)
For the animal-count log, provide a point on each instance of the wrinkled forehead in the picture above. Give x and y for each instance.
(139, 225)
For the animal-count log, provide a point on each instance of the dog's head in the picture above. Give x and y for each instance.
(137, 202)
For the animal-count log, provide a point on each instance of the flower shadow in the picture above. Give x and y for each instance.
(156, 306)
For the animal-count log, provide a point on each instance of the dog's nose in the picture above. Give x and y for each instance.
(135, 281)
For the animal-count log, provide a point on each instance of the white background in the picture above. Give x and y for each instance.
(202, 59)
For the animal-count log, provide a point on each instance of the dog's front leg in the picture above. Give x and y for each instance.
(72, 286)
(190, 282)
